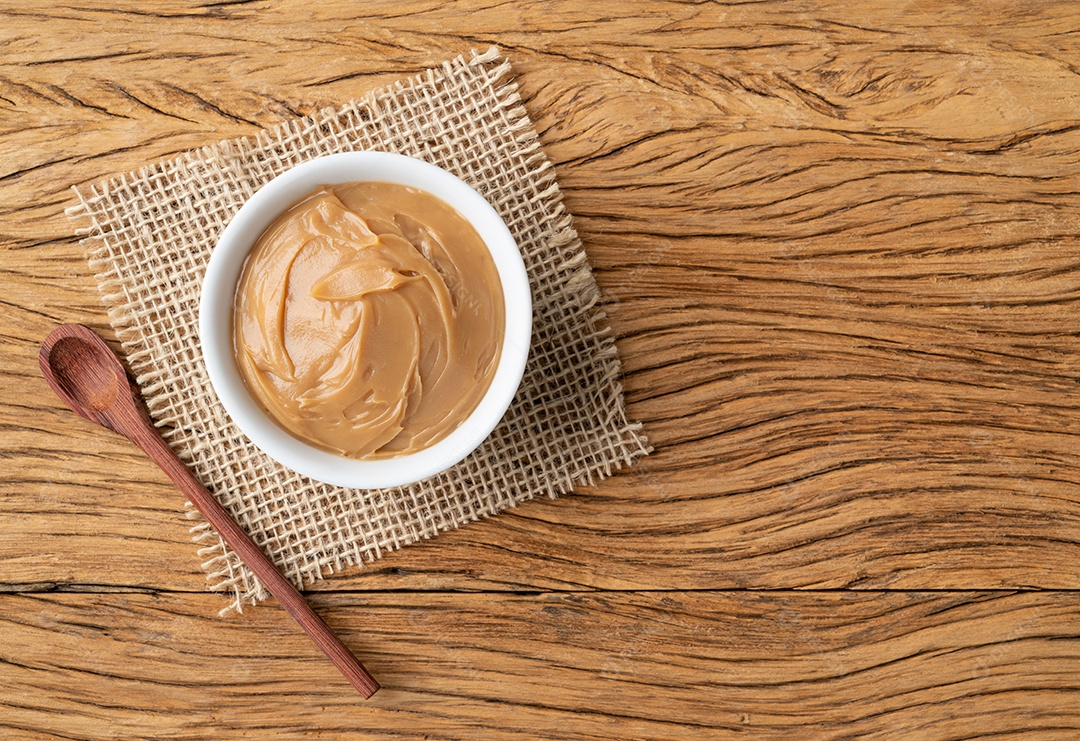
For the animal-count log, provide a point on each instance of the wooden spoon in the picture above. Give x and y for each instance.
(88, 376)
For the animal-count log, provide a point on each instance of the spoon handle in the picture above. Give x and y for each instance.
(250, 553)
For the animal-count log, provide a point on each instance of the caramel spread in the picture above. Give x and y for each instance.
(368, 319)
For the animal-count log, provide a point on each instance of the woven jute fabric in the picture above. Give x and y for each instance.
(150, 233)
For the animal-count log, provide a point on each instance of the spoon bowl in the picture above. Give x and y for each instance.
(71, 360)
(89, 377)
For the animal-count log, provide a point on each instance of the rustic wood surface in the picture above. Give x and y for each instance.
(840, 250)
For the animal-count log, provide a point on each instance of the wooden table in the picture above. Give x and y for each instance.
(840, 250)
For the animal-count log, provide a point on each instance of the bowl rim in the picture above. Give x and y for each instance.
(218, 291)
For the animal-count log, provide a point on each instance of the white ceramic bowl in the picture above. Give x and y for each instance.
(216, 311)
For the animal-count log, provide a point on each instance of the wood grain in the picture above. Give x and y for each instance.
(584, 666)
(839, 246)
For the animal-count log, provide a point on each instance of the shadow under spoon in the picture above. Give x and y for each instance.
(89, 377)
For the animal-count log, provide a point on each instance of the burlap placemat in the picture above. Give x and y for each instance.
(150, 233)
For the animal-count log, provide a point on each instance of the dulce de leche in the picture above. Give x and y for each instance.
(368, 319)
